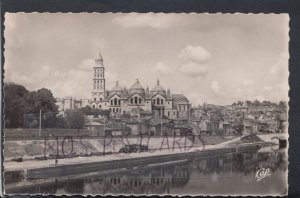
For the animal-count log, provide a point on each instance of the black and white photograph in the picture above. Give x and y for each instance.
(146, 104)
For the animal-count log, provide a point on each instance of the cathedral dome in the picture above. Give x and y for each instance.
(158, 89)
(117, 88)
(137, 88)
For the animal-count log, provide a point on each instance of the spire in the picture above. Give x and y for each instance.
(99, 58)
(99, 55)
(157, 81)
(137, 80)
(117, 83)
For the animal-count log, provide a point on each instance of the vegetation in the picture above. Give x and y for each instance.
(281, 104)
(22, 109)
(95, 112)
(75, 119)
(14, 104)
(19, 102)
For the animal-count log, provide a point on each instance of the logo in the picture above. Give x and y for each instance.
(262, 173)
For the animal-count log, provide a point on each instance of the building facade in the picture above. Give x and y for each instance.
(121, 101)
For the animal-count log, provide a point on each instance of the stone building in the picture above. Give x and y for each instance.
(121, 101)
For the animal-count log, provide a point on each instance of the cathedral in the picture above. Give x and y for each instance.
(134, 100)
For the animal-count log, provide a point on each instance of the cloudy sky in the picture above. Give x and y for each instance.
(217, 58)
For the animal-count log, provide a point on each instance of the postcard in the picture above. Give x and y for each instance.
(146, 104)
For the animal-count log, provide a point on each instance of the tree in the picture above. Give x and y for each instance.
(239, 103)
(249, 103)
(87, 110)
(41, 99)
(19, 101)
(282, 105)
(105, 113)
(52, 120)
(61, 122)
(256, 103)
(14, 104)
(267, 103)
(75, 119)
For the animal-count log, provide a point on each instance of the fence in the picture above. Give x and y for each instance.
(19, 134)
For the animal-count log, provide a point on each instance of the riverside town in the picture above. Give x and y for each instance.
(126, 124)
(146, 104)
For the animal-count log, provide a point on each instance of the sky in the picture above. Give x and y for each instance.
(212, 58)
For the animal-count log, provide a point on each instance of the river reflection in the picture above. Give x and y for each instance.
(227, 174)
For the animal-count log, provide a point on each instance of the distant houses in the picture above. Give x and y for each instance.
(157, 111)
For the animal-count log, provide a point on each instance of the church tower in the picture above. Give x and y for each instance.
(98, 88)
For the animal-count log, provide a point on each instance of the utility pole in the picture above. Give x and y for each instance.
(104, 126)
(40, 124)
(160, 121)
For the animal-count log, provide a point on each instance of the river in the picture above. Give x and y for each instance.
(230, 174)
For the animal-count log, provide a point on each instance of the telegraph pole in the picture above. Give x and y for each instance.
(40, 124)
(161, 121)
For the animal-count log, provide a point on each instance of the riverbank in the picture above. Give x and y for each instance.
(199, 170)
(31, 172)
(32, 164)
(64, 167)
(29, 149)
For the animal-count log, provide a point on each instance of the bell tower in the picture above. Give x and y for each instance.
(98, 88)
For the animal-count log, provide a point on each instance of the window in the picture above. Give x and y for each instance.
(140, 100)
(168, 114)
(100, 106)
(100, 99)
(117, 110)
(93, 106)
(157, 100)
(114, 110)
(95, 99)
(153, 101)
(135, 100)
(161, 101)
(131, 100)
(119, 102)
(115, 101)
(111, 102)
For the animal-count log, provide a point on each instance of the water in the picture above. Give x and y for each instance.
(227, 174)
